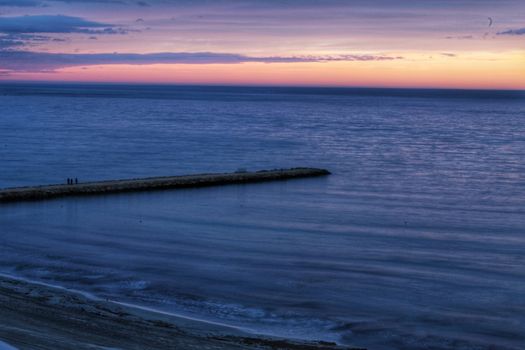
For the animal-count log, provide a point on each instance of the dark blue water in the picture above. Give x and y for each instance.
(416, 241)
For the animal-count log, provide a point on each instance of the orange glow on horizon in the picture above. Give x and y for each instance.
(469, 71)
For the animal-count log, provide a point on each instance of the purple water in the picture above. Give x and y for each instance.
(416, 241)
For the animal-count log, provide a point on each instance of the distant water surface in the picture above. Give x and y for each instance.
(416, 241)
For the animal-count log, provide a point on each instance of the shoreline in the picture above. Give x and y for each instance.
(39, 316)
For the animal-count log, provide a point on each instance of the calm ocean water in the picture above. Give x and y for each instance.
(416, 241)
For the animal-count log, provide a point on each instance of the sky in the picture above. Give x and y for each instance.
(355, 43)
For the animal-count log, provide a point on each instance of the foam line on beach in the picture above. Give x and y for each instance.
(154, 184)
(93, 297)
(63, 320)
(184, 317)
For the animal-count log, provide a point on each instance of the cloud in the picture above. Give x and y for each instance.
(461, 37)
(45, 3)
(27, 30)
(89, 1)
(21, 3)
(54, 24)
(282, 26)
(9, 41)
(520, 31)
(26, 61)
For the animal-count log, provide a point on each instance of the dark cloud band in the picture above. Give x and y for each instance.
(53, 24)
(25, 61)
(520, 31)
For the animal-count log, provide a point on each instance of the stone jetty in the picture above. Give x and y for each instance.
(154, 184)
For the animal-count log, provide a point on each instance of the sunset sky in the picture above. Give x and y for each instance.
(383, 43)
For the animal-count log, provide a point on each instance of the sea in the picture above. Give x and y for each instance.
(416, 240)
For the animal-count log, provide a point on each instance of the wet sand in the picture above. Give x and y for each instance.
(36, 316)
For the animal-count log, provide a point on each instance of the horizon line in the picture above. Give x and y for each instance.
(376, 87)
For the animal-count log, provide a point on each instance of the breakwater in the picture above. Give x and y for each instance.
(154, 183)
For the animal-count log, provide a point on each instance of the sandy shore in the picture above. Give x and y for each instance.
(35, 316)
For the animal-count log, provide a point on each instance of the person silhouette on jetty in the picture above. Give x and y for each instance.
(76, 181)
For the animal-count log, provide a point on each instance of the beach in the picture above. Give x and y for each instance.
(36, 316)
